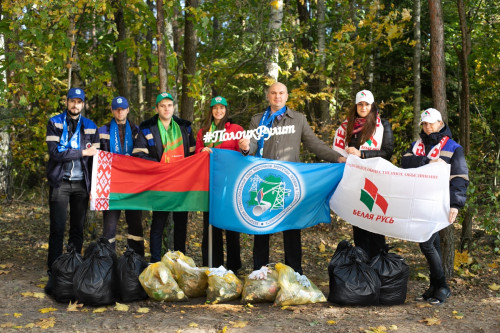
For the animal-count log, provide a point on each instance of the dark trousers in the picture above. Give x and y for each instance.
(291, 243)
(432, 252)
(232, 247)
(157, 228)
(371, 242)
(135, 237)
(75, 194)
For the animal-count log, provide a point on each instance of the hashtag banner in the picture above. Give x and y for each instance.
(409, 204)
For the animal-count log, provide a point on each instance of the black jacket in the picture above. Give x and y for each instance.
(387, 143)
(149, 146)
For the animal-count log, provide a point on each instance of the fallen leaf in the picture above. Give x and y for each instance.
(249, 305)
(379, 329)
(393, 328)
(424, 305)
(431, 321)
(45, 323)
(99, 310)
(30, 325)
(5, 325)
(143, 310)
(240, 324)
(331, 322)
(423, 276)
(73, 307)
(493, 265)
(192, 324)
(4, 272)
(321, 248)
(47, 310)
(39, 295)
(41, 285)
(17, 315)
(494, 287)
(27, 294)
(44, 279)
(121, 307)
(4, 266)
(284, 307)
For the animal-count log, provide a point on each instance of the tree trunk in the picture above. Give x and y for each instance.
(120, 57)
(466, 237)
(272, 53)
(324, 105)
(149, 86)
(417, 52)
(160, 32)
(438, 69)
(189, 56)
(464, 67)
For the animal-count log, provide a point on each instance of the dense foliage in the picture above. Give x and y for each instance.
(368, 44)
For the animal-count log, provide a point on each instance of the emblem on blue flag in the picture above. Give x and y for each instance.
(266, 193)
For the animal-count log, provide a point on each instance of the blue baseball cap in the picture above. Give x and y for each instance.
(76, 93)
(119, 102)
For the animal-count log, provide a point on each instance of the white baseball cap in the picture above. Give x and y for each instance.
(430, 116)
(365, 96)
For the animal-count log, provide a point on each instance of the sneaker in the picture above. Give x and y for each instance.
(440, 296)
(426, 295)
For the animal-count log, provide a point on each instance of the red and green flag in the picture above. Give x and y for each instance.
(125, 182)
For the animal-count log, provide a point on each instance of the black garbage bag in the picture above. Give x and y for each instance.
(95, 281)
(63, 269)
(130, 266)
(354, 283)
(345, 254)
(393, 273)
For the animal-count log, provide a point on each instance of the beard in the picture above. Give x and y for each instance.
(74, 112)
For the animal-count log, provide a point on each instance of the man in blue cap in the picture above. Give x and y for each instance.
(165, 138)
(72, 140)
(118, 136)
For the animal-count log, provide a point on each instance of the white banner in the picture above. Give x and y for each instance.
(409, 204)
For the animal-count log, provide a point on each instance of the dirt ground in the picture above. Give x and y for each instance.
(473, 307)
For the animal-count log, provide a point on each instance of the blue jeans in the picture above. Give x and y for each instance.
(74, 193)
(432, 252)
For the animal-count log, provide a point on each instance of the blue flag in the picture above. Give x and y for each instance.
(261, 196)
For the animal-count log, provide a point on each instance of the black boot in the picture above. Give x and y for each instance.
(441, 293)
(429, 293)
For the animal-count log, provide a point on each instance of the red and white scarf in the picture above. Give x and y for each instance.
(419, 148)
(374, 143)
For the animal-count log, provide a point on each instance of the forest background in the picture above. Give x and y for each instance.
(411, 54)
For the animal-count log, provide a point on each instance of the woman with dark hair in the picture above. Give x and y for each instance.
(217, 120)
(365, 135)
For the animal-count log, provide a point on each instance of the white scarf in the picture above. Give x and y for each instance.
(419, 148)
(374, 143)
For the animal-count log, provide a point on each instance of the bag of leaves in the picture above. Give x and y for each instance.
(393, 273)
(63, 269)
(192, 280)
(94, 282)
(295, 289)
(159, 283)
(344, 254)
(169, 258)
(260, 286)
(355, 283)
(223, 285)
(130, 266)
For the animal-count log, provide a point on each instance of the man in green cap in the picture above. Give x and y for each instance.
(165, 138)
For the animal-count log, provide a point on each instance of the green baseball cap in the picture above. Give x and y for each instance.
(162, 96)
(218, 100)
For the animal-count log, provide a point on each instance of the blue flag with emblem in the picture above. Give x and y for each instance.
(261, 196)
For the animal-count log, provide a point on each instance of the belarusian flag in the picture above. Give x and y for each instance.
(125, 182)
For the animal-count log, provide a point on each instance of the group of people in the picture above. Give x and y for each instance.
(73, 139)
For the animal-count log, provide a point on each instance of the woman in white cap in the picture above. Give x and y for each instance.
(365, 135)
(217, 119)
(436, 145)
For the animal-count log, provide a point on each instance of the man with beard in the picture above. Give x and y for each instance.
(72, 140)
